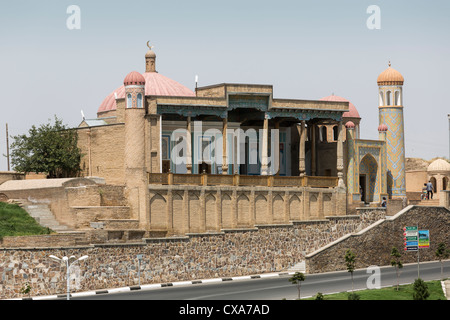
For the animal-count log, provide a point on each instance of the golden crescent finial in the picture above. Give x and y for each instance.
(148, 45)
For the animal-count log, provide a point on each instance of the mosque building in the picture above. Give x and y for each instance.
(230, 156)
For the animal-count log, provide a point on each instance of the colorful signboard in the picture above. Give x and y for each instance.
(424, 238)
(411, 238)
(414, 238)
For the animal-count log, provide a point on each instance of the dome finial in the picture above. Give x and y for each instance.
(389, 63)
(148, 45)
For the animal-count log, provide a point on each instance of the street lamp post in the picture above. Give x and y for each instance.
(68, 261)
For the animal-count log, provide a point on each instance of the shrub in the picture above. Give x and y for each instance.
(421, 291)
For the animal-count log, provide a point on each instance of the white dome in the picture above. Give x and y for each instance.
(439, 165)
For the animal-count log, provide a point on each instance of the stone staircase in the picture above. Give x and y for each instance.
(299, 267)
(429, 203)
(43, 215)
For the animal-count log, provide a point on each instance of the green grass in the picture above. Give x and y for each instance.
(14, 221)
(405, 292)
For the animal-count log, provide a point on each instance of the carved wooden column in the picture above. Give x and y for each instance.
(301, 152)
(265, 139)
(340, 155)
(188, 146)
(313, 150)
(224, 146)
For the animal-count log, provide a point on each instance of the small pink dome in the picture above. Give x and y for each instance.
(134, 78)
(382, 127)
(351, 113)
(350, 125)
(155, 85)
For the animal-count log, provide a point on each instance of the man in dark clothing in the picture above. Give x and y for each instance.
(429, 190)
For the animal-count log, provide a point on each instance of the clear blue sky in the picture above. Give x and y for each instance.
(305, 49)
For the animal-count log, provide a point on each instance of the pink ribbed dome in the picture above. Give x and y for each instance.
(351, 113)
(155, 85)
(382, 127)
(350, 125)
(134, 78)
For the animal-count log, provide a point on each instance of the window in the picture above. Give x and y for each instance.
(335, 133)
(388, 98)
(381, 99)
(129, 101)
(139, 100)
(324, 134)
(397, 98)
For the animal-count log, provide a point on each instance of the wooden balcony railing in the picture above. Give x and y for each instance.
(241, 180)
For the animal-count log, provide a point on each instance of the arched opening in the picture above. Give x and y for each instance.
(335, 133)
(444, 183)
(368, 169)
(397, 98)
(433, 182)
(323, 132)
(388, 98)
(381, 99)
(129, 101)
(139, 100)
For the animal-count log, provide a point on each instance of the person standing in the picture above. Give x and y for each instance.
(424, 192)
(429, 190)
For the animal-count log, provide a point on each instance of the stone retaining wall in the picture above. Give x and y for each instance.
(196, 256)
(373, 246)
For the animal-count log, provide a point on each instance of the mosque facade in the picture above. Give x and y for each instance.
(229, 155)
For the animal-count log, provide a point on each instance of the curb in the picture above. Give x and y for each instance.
(154, 286)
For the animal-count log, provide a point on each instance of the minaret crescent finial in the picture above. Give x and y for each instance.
(148, 45)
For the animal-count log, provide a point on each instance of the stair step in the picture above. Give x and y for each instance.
(299, 267)
(43, 215)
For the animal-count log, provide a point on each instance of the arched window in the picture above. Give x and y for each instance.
(335, 133)
(388, 98)
(381, 99)
(129, 101)
(397, 98)
(139, 100)
(323, 132)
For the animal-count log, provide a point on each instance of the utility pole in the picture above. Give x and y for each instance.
(7, 145)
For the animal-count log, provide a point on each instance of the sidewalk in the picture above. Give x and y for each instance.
(446, 288)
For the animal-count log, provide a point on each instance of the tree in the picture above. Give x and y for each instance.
(50, 149)
(297, 279)
(350, 261)
(442, 253)
(395, 262)
(421, 291)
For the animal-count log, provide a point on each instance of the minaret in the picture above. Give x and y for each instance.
(390, 95)
(134, 157)
(150, 59)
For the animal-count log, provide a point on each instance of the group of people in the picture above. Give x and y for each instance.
(427, 191)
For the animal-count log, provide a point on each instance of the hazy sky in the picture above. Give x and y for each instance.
(305, 49)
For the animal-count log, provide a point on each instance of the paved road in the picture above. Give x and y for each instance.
(278, 288)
